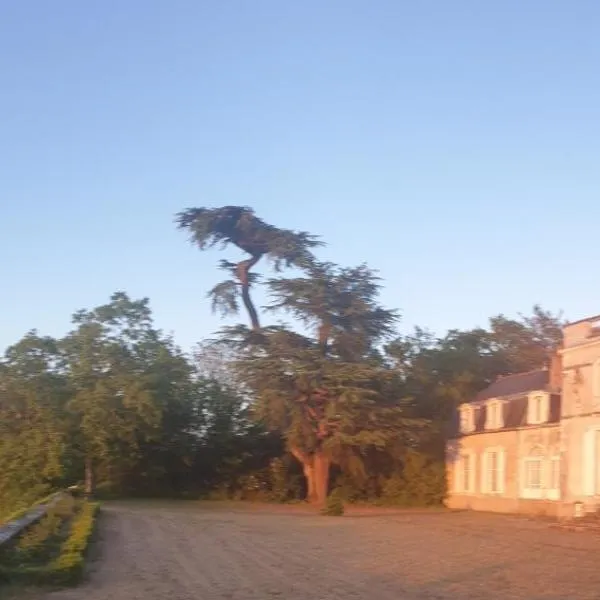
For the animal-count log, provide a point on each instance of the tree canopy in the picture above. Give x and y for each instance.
(331, 396)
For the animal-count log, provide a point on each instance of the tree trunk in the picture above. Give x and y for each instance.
(309, 474)
(89, 477)
(243, 273)
(322, 464)
(316, 471)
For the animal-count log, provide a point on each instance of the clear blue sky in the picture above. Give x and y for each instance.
(455, 146)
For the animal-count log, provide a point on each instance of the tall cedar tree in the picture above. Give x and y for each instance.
(325, 392)
(238, 225)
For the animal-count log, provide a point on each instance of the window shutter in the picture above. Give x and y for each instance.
(501, 463)
(482, 470)
(589, 463)
(473, 475)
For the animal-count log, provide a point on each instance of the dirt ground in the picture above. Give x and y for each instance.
(194, 552)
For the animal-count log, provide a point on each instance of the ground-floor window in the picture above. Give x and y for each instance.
(492, 479)
(465, 473)
(533, 485)
(540, 476)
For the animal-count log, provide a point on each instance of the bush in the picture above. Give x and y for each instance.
(422, 483)
(33, 545)
(279, 480)
(68, 566)
(335, 504)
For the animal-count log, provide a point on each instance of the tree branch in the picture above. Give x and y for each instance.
(243, 270)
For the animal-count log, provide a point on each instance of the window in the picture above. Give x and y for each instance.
(533, 471)
(493, 471)
(465, 473)
(494, 418)
(467, 419)
(540, 476)
(537, 409)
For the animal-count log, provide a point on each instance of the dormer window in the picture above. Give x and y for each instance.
(494, 417)
(537, 408)
(467, 419)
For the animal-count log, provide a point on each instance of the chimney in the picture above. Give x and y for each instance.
(555, 375)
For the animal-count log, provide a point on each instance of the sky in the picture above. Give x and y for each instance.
(453, 146)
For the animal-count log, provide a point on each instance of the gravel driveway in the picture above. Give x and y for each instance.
(181, 552)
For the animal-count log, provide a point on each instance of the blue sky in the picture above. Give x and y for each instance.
(454, 146)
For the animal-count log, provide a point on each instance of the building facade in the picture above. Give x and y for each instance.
(530, 442)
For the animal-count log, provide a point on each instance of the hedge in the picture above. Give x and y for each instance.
(67, 567)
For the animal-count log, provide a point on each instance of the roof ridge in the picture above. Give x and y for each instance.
(539, 370)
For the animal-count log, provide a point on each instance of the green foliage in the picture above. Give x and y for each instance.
(32, 436)
(27, 558)
(116, 404)
(34, 544)
(68, 567)
(280, 489)
(238, 225)
(421, 482)
(18, 514)
(55, 555)
(335, 504)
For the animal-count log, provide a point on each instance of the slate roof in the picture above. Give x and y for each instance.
(513, 390)
(511, 385)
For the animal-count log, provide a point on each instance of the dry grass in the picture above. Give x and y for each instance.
(181, 551)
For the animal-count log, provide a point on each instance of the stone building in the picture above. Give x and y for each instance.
(530, 442)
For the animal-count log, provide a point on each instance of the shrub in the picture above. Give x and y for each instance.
(422, 483)
(68, 566)
(335, 504)
(64, 508)
(32, 544)
(279, 480)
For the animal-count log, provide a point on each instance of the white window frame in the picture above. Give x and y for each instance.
(553, 492)
(527, 490)
(548, 467)
(464, 485)
(494, 418)
(486, 487)
(467, 419)
(542, 417)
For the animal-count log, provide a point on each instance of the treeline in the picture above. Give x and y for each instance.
(332, 397)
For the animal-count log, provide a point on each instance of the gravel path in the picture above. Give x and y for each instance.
(183, 552)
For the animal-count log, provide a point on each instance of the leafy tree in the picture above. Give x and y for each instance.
(115, 407)
(33, 443)
(440, 373)
(322, 391)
